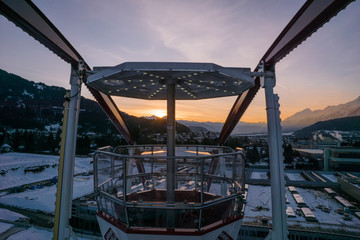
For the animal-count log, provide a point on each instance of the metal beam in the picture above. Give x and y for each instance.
(311, 16)
(114, 114)
(277, 176)
(63, 206)
(30, 19)
(237, 111)
(170, 150)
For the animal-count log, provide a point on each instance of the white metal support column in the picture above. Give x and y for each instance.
(277, 179)
(66, 192)
(170, 146)
(222, 173)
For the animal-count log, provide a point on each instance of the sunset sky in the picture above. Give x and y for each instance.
(322, 71)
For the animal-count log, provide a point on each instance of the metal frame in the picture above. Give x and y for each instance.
(311, 16)
(165, 205)
(309, 19)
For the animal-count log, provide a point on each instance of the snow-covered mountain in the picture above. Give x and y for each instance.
(241, 128)
(308, 117)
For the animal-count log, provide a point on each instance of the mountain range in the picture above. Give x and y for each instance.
(26, 104)
(308, 117)
(338, 124)
(241, 127)
(295, 122)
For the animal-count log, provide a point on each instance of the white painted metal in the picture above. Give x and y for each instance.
(277, 177)
(171, 133)
(129, 171)
(223, 173)
(147, 80)
(69, 156)
(232, 229)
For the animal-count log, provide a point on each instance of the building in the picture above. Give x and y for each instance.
(315, 154)
(342, 159)
(5, 148)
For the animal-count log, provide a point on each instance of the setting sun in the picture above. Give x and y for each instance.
(159, 113)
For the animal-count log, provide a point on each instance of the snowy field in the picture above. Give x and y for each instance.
(35, 234)
(9, 216)
(259, 205)
(4, 227)
(295, 177)
(43, 199)
(259, 175)
(15, 168)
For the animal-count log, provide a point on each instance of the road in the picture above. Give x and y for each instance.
(11, 231)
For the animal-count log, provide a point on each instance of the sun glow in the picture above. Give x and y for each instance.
(159, 113)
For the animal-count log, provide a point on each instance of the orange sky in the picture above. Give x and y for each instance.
(323, 70)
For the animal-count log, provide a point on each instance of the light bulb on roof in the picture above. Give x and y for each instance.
(134, 86)
(105, 80)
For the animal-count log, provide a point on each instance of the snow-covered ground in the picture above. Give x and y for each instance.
(9, 216)
(14, 168)
(43, 199)
(258, 196)
(259, 175)
(4, 227)
(295, 177)
(259, 205)
(34, 234)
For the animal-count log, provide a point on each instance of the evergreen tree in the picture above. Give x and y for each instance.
(288, 153)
